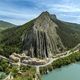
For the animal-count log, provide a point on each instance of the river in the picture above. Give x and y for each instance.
(70, 72)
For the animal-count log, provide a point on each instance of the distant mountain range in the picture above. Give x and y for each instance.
(5, 25)
(42, 37)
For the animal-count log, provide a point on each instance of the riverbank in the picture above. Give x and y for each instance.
(20, 72)
(75, 57)
(61, 61)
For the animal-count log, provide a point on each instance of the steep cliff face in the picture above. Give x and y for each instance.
(42, 40)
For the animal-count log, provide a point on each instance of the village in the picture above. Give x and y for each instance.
(23, 59)
(26, 60)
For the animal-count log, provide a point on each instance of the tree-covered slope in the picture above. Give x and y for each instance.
(5, 25)
(69, 33)
(11, 40)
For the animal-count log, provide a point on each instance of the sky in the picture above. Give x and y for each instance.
(21, 11)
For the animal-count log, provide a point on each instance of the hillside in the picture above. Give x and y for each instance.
(5, 25)
(40, 37)
(68, 32)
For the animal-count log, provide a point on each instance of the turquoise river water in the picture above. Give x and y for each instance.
(70, 72)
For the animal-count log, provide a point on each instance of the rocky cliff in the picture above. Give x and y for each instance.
(42, 40)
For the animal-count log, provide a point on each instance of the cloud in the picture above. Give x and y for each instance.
(16, 16)
(21, 11)
(65, 8)
(17, 10)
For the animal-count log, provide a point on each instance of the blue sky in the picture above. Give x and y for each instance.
(21, 11)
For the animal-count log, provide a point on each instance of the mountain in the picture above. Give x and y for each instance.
(41, 37)
(5, 25)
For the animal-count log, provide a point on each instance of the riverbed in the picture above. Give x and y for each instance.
(70, 72)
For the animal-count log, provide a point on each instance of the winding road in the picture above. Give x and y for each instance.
(51, 60)
(54, 59)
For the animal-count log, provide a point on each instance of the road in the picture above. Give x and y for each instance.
(75, 49)
(51, 60)
(54, 59)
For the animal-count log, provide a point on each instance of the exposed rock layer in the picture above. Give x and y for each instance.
(42, 40)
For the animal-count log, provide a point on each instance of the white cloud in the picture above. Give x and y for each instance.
(62, 8)
(18, 14)
(66, 8)
(16, 17)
